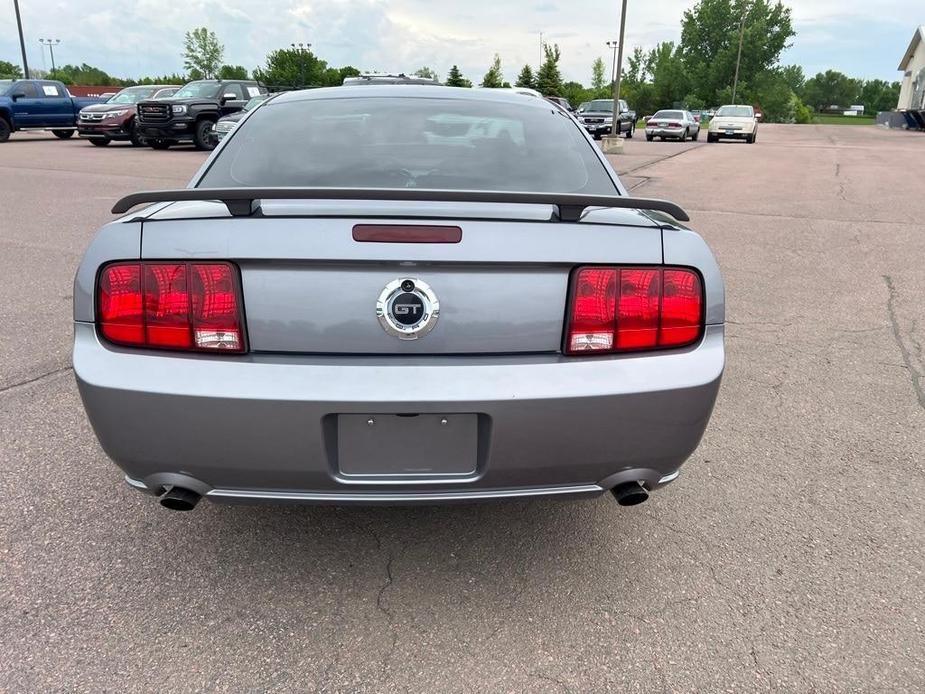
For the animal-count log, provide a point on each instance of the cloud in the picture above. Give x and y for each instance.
(146, 36)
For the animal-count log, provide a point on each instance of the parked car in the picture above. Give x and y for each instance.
(597, 117)
(226, 124)
(190, 114)
(675, 124)
(39, 105)
(350, 314)
(733, 122)
(115, 119)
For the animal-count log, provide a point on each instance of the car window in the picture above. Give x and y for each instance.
(669, 114)
(736, 112)
(601, 105)
(51, 90)
(198, 90)
(29, 89)
(131, 95)
(164, 93)
(233, 88)
(432, 143)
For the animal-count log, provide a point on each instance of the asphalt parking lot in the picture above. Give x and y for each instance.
(789, 556)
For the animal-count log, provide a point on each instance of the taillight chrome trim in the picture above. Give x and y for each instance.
(614, 351)
(192, 349)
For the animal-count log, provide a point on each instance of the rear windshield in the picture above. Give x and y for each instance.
(736, 112)
(669, 114)
(383, 142)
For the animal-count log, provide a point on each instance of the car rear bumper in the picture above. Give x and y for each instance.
(264, 427)
(665, 132)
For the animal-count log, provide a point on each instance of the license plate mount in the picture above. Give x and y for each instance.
(407, 445)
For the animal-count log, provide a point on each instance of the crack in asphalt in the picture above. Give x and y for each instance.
(627, 172)
(48, 375)
(908, 354)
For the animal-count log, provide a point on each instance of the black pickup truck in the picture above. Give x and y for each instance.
(191, 113)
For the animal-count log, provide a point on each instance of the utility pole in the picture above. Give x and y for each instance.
(22, 41)
(735, 83)
(301, 48)
(51, 43)
(613, 72)
(542, 50)
(618, 72)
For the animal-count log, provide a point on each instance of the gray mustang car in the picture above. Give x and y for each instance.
(399, 294)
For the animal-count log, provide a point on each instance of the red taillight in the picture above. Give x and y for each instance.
(624, 309)
(184, 306)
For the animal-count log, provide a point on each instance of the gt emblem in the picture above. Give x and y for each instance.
(407, 308)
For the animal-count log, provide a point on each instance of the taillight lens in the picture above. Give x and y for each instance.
(177, 305)
(625, 309)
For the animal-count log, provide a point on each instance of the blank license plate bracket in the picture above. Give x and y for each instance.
(419, 445)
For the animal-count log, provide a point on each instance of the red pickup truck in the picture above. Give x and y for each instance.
(115, 119)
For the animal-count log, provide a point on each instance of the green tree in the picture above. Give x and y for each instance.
(456, 79)
(796, 80)
(771, 91)
(232, 72)
(878, 95)
(670, 82)
(710, 41)
(802, 113)
(494, 78)
(598, 70)
(576, 93)
(202, 53)
(10, 71)
(526, 78)
(426, 73)
(291, 67)
(831, 88)
(85, 74)
(549, 79)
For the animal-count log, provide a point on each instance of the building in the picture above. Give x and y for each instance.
(912, 93)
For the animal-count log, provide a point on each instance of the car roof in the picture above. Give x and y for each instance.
(411, 91)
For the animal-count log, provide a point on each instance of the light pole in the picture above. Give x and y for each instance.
(22, 41)
(618, 71)
(542, 50)
(301, 48)
(613, 72)
(51, 43)
(735, 83)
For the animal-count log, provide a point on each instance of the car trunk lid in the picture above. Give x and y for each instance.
(310, 287)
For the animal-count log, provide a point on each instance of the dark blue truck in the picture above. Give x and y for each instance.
(39, 105)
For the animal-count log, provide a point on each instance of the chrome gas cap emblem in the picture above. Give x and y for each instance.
(407, 308)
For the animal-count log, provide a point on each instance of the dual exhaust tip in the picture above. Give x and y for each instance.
(181, 499)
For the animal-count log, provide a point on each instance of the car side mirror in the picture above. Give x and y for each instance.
(18, 95)
(228, 97)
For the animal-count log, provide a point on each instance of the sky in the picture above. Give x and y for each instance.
(863, 38)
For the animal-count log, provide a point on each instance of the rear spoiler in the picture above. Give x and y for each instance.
(245, 202)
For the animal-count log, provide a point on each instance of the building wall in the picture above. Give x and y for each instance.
(912, 94)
